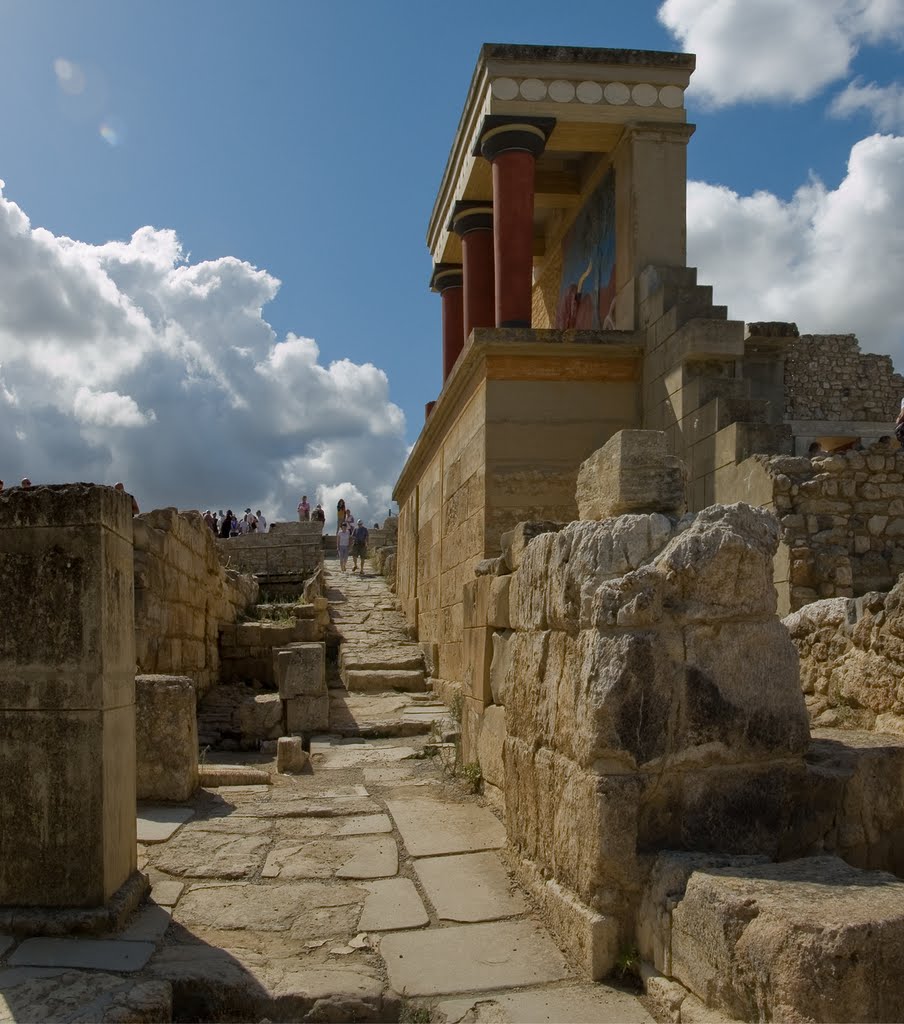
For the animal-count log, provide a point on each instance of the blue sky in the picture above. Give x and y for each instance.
(308, 140)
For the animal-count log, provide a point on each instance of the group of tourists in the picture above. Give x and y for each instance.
(228, 524)
(308, 515)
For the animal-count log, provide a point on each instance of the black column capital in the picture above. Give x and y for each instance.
(446, 275)
(471, 215)
(502, 132)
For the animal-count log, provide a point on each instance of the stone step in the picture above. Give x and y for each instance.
(372, 680)
(381, 657)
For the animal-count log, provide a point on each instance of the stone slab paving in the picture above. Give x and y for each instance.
(357, 857)
(105, 954)
(55, 996)
(166, 893)
(148, 925)
(575, 1004)
(156, 823)
(472, 958)
(469, 887)
(434, 826)
(392, 904)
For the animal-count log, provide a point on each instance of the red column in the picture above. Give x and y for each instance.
(513, 147)
(474, 223)
(448, 281)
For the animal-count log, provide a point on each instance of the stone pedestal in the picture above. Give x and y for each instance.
(67, 696)
(166, 737)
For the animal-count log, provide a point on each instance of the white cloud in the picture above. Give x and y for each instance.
(125, 361)
(885, 104)
(828, 259)
(776, 49)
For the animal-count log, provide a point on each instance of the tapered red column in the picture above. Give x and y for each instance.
(512, 146)
(448, 280)
(473, 222)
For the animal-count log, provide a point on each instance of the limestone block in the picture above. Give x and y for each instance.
(300, 670)
(721, 565)
(477, 652)
(498, 615)
(247, 634)
(490, 745)
(261, 718)
(275, 634)
(515, 541)
(633, 472)
(306, 631)
(166, 736)
(290, 755)
(742, 690)
(67, 695)
(499, 665)
(471, 714)
(308, 714)
(811, 939)
(560, 572)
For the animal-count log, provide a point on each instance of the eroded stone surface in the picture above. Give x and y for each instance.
(101, 954)
(470, 887)
(430, 827)
(372, 857)
(58, 996)
(471, 958)
(158, 823)
(211, 855)
(392, 904)
(576, 1004)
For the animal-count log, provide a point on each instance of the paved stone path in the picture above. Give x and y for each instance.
(367, 882)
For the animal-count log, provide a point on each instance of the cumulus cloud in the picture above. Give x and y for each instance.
(829, 259)
(884, 104)
(773, 49)
(126, 361)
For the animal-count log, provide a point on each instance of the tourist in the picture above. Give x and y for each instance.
(359, 545)
(120, 486)
(26, 483)
(899, 425)
(340, 514)
(210, 520)
(318, 515)
(226, 524)
(250, 521)
(343, 541)
(304, 509)
(261, 522)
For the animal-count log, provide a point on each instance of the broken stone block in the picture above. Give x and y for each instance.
(633, 472)
(515, 541)
(809, 939)
(308, 714)
(166, 737)
(300, 670)
(290, 755)
(261, 718)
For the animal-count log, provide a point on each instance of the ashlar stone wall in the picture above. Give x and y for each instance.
(827, 377)
(182, 596)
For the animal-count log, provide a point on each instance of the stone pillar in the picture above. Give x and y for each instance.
(448, 280)
(512, 147)
(67, 696)
(473, 223)
(650, 163)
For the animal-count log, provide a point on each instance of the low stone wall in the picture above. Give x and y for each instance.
(852, 660)
(842, 520)
(285, 549)
(247, 648)
(182, 595)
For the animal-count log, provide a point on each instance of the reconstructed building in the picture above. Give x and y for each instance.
(569, 313)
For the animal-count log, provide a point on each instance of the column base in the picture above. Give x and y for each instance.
(54, 921)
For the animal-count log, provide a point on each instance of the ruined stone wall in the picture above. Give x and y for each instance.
(182, 595)
(852, 660)
(842, 520)
(827, 377)
(285, 549)
(647, 693)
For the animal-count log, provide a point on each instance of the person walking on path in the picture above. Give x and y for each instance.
(359, 545)
(304, 510)
(343, 542)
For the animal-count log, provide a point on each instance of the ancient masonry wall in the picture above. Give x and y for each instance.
(827, 377)
(182, 595)
(285, 549)
(842, 520)
(852, 660)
